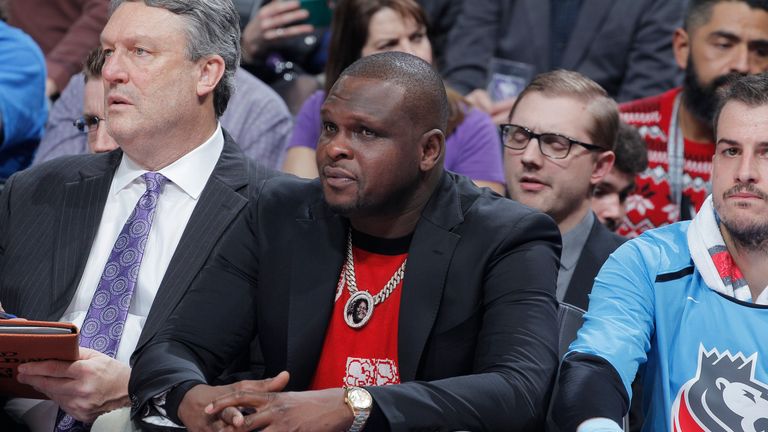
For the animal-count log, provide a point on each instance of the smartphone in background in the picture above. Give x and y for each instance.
(319, 12)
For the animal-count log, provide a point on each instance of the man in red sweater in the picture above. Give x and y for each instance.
(720, 40)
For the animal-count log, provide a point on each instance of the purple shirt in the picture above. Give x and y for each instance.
(473, 149)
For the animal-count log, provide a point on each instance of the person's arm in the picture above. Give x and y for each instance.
(479, 148)
(66, 59)
(515, 361)
(259, 120)
(61, 137)
(300, 158)
(651, 68)
(471, 44)
(209, 328)
(23, 105)
(516, 351)
(613, 341)
(275, 20)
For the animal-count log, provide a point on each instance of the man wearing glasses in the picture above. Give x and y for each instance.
(99, 141)
(557, 146)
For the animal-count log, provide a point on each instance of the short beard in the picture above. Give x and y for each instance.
(752, 237)
(701, 100)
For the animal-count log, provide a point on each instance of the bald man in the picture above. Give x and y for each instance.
(460, 330)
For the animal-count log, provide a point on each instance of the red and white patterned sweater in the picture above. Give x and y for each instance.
(651, 205)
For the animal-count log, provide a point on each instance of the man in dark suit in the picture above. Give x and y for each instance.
(623, 45)
(168, 78)
(465, 333)
(558, 146)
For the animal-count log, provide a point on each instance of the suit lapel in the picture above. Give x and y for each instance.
(81, 210)
(584, 273)
(591, 17)
(429, 258)
(219, 204)
(310, 302)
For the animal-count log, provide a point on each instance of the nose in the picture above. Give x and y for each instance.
(748, 170)
(113, 70)
(532, 155)
(609, 210)
(740, 60)
(336, 147)
(100, 141)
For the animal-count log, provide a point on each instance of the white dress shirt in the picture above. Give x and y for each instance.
(186, 179)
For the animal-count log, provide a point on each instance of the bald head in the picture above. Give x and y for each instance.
(425, 99)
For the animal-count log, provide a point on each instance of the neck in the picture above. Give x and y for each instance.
(157, 152)
(692, 127)
(388, 227)
(570, 221)
(753, 263)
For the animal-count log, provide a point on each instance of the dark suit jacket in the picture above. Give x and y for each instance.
(49, 216)
(600, 243)
(478, 316)
(623, 45)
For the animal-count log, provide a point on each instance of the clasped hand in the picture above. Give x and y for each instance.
(250, 405)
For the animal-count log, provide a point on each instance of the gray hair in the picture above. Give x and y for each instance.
(213, 28)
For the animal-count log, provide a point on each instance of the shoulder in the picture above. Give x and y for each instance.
(489, 215)
(663, 249)
(647, 110)
(605, 237)
(254, 97)
(287, 191)
(69, 168)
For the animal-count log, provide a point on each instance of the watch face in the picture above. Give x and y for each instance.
(359, 398)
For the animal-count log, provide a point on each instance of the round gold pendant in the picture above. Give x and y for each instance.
(358, 309)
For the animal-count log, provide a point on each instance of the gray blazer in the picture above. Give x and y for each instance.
(49, 216)
(624, 45)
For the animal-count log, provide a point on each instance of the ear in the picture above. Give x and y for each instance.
(603, 165)
(681, 45)
(432, 147)
(211, 70)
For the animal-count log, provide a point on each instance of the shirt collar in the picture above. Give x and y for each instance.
(190, 173)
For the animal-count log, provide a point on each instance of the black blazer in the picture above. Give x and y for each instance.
(49, 215)
(478, 315)
(600, 243)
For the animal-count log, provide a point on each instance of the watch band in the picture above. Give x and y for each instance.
(360, 402)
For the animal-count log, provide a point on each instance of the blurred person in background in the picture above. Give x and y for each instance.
(623, 45)
(364, 27)
(66, 31)
(720, 40)
(610, 195)
(23, 105)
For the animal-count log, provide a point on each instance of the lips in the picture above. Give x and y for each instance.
(745, 191)
(531, 184)
(337, 177)
(117, 100)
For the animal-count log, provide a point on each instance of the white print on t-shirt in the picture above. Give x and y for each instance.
(369, 372)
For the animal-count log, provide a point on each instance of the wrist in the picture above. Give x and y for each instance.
(360, 403)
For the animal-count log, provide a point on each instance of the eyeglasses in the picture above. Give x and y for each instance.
(87, 123)
(551, 145)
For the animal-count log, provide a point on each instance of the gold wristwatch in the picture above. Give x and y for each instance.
(360, 401)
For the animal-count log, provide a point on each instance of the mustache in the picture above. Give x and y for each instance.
(745, 187)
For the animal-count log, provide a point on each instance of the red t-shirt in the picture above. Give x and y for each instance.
(365, 356)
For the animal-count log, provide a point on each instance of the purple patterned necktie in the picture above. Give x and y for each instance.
(105, 319)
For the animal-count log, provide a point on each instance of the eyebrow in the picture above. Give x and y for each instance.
(725, 34)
